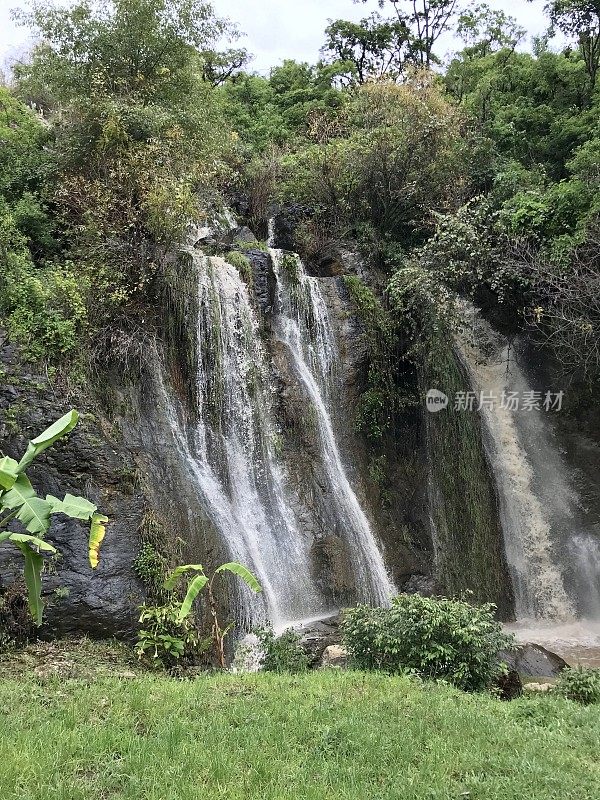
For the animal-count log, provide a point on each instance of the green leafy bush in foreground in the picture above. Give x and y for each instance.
(282, 653)
(166, 638)
(580, 684)
(169, 631)
(436, 638)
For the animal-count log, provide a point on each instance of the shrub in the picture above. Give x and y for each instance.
(437, 638)
(166, 638)
(282, 653)
(580, 684)
(151, 568)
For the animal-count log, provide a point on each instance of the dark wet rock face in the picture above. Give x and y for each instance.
(264, 282)
(127, 459)
(101, 602)
(397, 505)
(287, 219)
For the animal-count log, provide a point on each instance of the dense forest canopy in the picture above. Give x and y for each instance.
(130, 118)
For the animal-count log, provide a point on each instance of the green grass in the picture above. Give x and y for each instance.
(322, 735)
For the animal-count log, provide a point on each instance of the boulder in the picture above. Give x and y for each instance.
(243, 235)
(425, 585)
(538, 687)
(335, 656)
(534, 661)
(317, 637)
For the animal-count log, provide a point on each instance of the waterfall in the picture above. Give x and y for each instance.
(554, 561)
(231, 454)
(231, 447)
(303, 325)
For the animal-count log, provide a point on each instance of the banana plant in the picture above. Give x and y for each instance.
(20, 502)
(197, 584)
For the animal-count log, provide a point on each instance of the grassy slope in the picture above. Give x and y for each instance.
(325, 735)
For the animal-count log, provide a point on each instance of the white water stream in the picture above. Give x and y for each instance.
(303, 325)
(552, 549)
(232, 451)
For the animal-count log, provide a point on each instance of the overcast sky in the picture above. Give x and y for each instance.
(278, 29)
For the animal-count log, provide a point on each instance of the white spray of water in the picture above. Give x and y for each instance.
(231, 452)
(584, 552)
(303, 325)
(530, 550)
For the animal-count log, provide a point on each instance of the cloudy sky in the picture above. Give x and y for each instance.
(278, 29)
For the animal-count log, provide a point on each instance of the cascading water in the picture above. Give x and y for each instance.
(303, 325)
(231, 449)
(231, 452)
(553, 555)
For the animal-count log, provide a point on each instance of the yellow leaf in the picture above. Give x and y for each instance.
(97, 534)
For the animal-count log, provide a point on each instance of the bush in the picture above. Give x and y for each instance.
(580, 684)
(437, 638)
(167, 640)
(282, 653)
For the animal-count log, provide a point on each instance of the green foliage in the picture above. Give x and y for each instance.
(278, 109)
(242, 264)
(580, 684)
(439, 639)
(255, 245)
(393, 155)
(486, 30)
(19, 502)
(165, 637)
(368, 736)
(137, 132)
(580, 19)
(282, 653)
(198, 582)
(42, 303)
(23, 135)
(151, 568)
(423, 23)
(385, 394)
(370, 49)
(44, 309)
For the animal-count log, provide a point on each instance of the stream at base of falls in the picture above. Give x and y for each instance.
(578, 642)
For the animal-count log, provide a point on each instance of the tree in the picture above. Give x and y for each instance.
(566, 306)
(371, 48)
(428, 20)
(220, 66)
(139, 141)
(20, 503)
(486, 30)
(119, 48)
(393, 156)
(580, 18)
